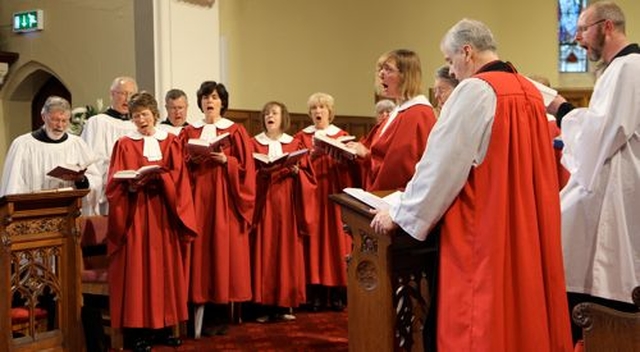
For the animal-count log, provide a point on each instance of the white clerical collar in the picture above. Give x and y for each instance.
(222, 123)
(263, 139)
(331, 130)
(151, 149)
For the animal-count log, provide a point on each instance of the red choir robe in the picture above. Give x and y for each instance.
(223, 197)
(280, 222)
(501, 279)
(395, 152)
(328, 243)
(147, 232)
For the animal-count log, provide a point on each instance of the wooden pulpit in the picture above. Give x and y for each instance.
(40, 271)
(388, 283)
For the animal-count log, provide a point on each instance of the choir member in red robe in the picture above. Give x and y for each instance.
(282, 217)
(489, 173)
(390, 151)
(328, 243)
(150, 219)
(223, 183)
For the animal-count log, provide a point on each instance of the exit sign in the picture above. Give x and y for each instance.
(28, 21)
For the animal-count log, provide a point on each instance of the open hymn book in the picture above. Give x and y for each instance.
(372, 200)
(330, 145)
(135, 174)
(68, 171)
(286, 159)
(198, 146)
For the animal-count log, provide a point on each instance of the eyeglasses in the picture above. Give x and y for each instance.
(123, 94)
(581, 29)
(386, 68)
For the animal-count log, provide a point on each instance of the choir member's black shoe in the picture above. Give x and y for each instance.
(337, 306)
(141, 345)
(172, 341)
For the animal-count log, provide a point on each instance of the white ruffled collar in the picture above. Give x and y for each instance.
(223, 123)
(263, 139)
(331, 130)
(417, 100)
(151, 148)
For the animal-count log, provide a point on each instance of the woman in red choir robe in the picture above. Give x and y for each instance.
(150, 219)
(390, 151)
(223, 183)
(284, 192)
(328, 243)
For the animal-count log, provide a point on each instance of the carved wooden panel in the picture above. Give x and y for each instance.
(357, 126)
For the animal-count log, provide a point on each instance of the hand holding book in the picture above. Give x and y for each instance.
(69, 172)
(334, 147)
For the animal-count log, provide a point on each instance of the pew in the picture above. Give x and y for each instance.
(608, 330)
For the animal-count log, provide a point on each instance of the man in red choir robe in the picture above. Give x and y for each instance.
(489, 173)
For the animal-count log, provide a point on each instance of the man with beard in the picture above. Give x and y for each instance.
(32, 155)
(488, 176)
(600, 226)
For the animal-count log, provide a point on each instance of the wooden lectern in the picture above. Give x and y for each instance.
(40, 271)
(388, 283)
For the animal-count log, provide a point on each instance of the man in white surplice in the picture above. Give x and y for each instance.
(103, 130)
(32, 155)
(600, 219)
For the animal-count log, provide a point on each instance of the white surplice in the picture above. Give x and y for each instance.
(101, 133)
(458, 142)
(600, 203)
(29, 160)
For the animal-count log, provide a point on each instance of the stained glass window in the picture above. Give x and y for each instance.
(572, 58)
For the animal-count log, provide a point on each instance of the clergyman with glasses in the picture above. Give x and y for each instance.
(600, 223)
(103, 130)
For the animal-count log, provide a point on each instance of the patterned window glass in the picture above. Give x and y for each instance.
(572, 58)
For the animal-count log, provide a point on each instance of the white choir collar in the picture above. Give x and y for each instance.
(263, 139)
(417, 100)
(151, 149)
(331, 130)
(223, 123)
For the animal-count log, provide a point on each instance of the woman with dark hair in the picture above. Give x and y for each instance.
(149, 225)
(282, 218)
(223, 184)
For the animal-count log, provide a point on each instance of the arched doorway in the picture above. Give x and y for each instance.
(52, 86)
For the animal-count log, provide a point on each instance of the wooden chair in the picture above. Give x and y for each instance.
(95, 288)
(606, 329)
(20, 320)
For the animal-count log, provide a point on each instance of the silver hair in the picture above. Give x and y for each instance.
(384, 105)
(55, 103)
(122, 80)
(469, 32)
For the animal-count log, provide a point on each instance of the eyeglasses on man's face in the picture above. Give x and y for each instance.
(582, 29)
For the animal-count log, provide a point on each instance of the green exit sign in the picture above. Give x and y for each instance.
(28, 21)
